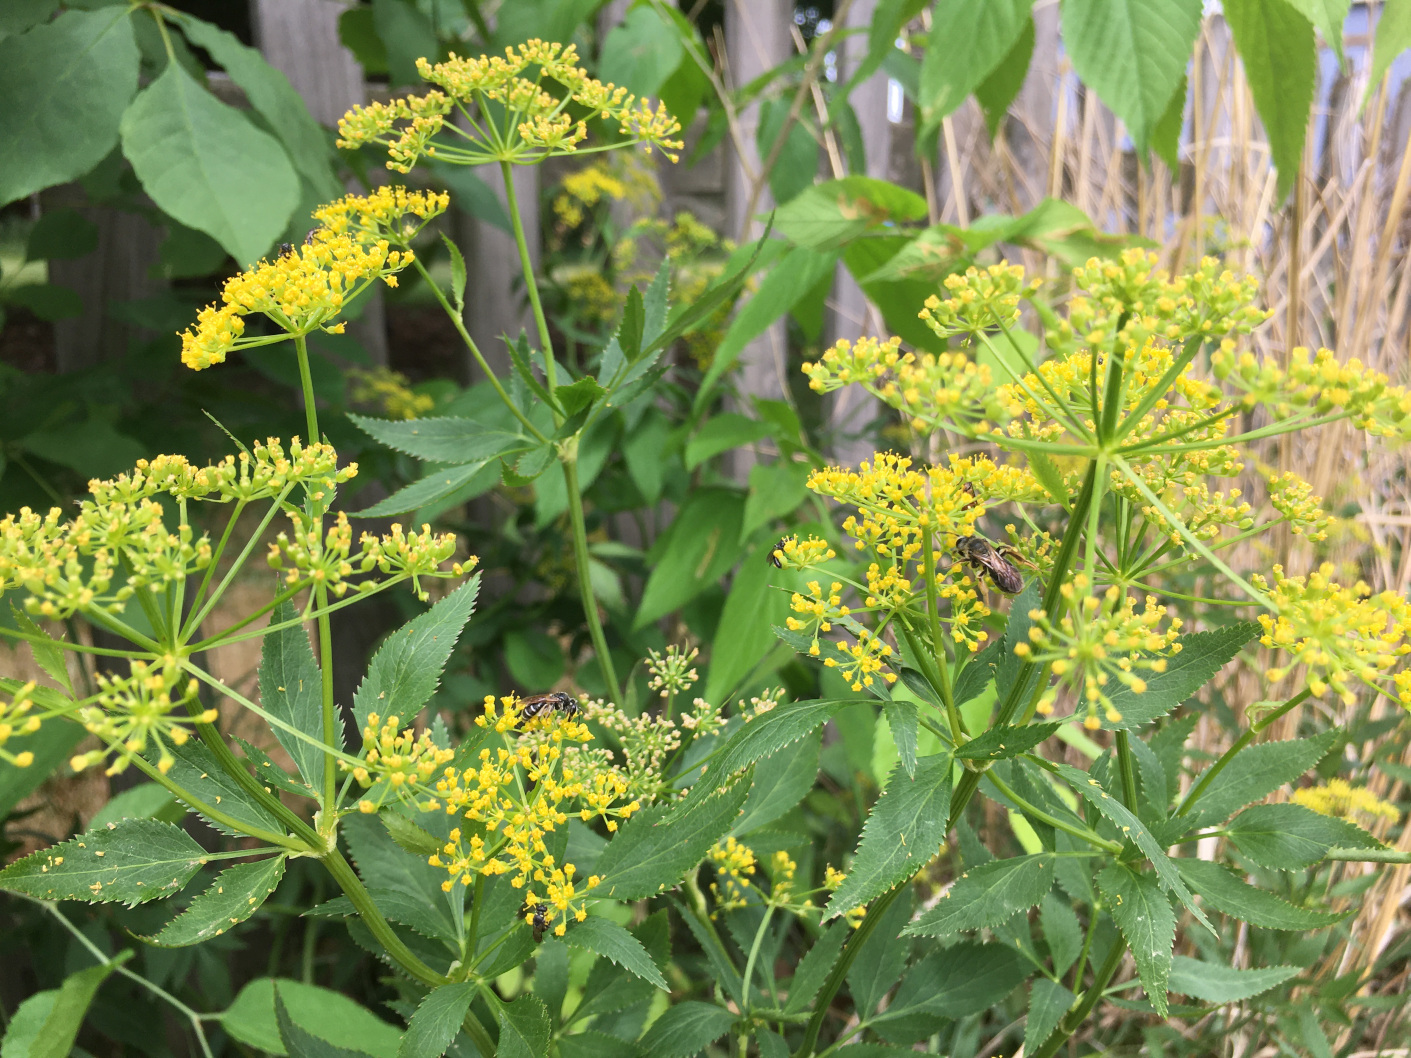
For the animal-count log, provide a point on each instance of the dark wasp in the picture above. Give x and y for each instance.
(986, 558)
(554, 701)
(540, 920)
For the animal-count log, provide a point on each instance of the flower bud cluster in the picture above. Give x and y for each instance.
(133, 712)
(671, 673)
(16, 719)
(396, 756)
(388, 213)
(1338, 797)
(980, 300)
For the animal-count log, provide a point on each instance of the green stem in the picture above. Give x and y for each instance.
(750, 959)
(585, 580)
(1054, 821)
(835, 980)
(1129, 777)
(478, 1035)
(1075, 1017)
(1369, 855)
(530, 285)
(1208, 776)
(306, 380)
(330, 710)
(372, 917)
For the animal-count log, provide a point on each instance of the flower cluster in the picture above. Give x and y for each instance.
(390, 392)
(537, 123)
(131, 713)
(1356, 804)
(302, 290)
(735, 865)
(1293, 498)
(388, 214)
(16, 719)
(322, 555)
(1343, 635)
(862, 660)
(647, 742)
(793, 553)
(397, 757)
(516, 794)
(832, 879)
(1099, 640)
(980, 300)
(671, 673)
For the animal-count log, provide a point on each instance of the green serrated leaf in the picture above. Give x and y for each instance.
(902, 834)
(195, 769)
(321, 1012)
(415, 912)
(1166, 133)
(300, 1043)
(903, 720)
(291, 688)
(271, 774)
(1005, 741)
(129, 862)
(458, 276)
(612, 942)
(968, 41)
(1048, 1002)
(956, 982)
(987, 895)
(1393, 37)
(1062, 932)
(1215, 983)
(46, 650)
(1279, 52)
(406, 669)
(658, 845)
(1133, 53)
(524, 1028)
(442, 440)
(814, 967)
(778, 789)
(433, 488)
(234, 896)
(437, 1021)
(47, 1023)
(66, 84)
(686, 1029)
(1202, 655)
(1257, 771)
(385, 865)
(998, 90)
(1139, 905)
(409, 836)
(1287, 836)
(1226, 892)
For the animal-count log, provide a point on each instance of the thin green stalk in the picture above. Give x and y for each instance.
(1038, 813)
(531, 287)
(585, 580)
(1208, 776)
(330, 710)
(1075, 1017)
(840, 969)
(306, 380)
(1129, 777)
(372, 917)
(750, 959)
(478, 1035)
(199, 614)
(1369, 855)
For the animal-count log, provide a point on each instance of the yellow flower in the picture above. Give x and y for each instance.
(734, 865)
(1337, 797)
(134, 711)
(390, 392)
(388, 213)
(16, 719)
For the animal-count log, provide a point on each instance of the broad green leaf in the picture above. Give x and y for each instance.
(814, 967)
(1393, 36)
(777, 789)
(437, 1021)
(274, 99)
(20, 15)
(47, 1023)
(129, 862)
(1008, 665)
(831, 214)
(291, 688)
(65, 84)
(1286, 837)
(1008, 740)
(300, 1043)
(196, 770)
(693, 554)
(798, 272)
(46, 650)
(1134, 830)
(320, 1012)
(903, 721)
(1133, 53)
(524, 1028)
(1257, 771)
(1328, 16)
(961, 980)
(148, 800)
(878, 965)
(658, 845)
(1048, 1002)
(968, 41)
(612, 942)
(742, 637)
(1215, 983)
(594, 1044)
(1139, 905)
(1280, 57)
(1062, 932)
(902, 834)
(718, 965)
(1230, 894)
(987, 895)
(997, 91)
(796, 160)
(551, 974)
(234, 896)
(1202, 655)
(976, 675)
(640, 53)
(720, 433)
(763, 737)
(406, 669)
(442, 440)
(205, 164)
(686, 1029)
(433, 488)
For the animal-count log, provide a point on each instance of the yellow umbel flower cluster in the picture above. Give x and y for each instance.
(308, 555)
(1293, 498)
(397, 757)
(1343, 635)
(862, 659)
(134, 711)
(16, 719)
(536, 122)
(1356, 804)
(646, 741)
(793, 553)
(819, 608)
(515, 795)
(980, 300)
(389, 214)
(1099, 640)
(302, 290)
(584, 189)
(1316, 382)
(832, 879)
(390, 392)
(735, 865)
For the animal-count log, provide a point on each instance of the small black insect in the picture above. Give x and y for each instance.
(775, 551)
(554, 701)
(983, 556)
(285, 249)
(539, 921)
